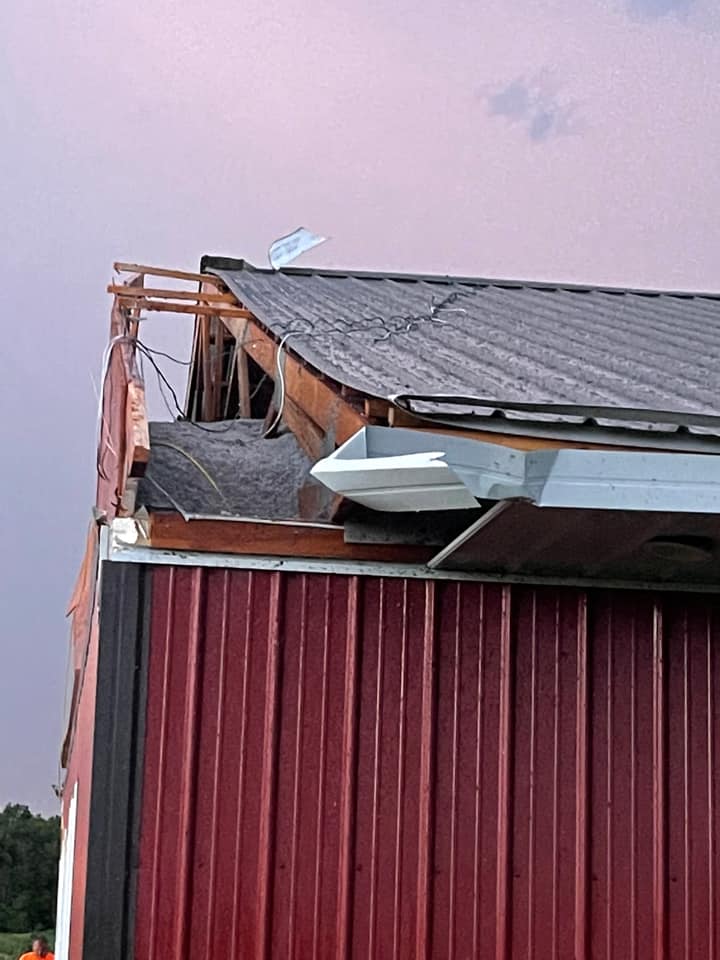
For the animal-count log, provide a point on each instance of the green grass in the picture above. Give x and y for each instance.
(12, 945)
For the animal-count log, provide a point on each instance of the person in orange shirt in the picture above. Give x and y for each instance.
(40, 948)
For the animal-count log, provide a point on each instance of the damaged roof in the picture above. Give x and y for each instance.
(508, 342)
(223, 469)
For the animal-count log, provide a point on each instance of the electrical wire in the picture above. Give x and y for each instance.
(281, 381)
(387, 328)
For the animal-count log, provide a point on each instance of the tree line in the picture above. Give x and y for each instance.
(29, 852)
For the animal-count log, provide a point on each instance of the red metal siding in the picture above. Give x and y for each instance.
(355, 767)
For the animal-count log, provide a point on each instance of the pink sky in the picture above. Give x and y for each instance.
(553, 139)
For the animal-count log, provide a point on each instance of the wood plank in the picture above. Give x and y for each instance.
(137, 431)
(199, 310)
(168, 531)
(165, 272)
(309, 435)
(133, 292)
(205, 359)
(243, 378)
(218, 332)
(316, 398)
(375, 409)
(316, 502)
(237, 327)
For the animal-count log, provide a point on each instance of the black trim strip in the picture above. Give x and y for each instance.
(118, 752)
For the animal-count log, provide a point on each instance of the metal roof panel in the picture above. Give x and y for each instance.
(385, 335)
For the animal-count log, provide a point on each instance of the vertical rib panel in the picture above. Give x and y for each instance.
(626, 724)
(346, 781)
(427, 742)
(355, 767)
(691, 835)
(550, 780)
(471, 692)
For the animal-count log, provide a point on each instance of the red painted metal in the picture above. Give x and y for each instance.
(357, 767)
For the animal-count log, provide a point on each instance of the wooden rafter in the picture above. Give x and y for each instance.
(142, 270)
(311, 395)
(206, 296)
(201, 310)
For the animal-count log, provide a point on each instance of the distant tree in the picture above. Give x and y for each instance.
(29, 852)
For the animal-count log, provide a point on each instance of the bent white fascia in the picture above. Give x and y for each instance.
(415, 481)
(395, 469)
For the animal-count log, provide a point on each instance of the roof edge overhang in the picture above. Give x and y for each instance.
(403, 470)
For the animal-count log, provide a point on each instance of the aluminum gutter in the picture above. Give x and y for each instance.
(393, 469)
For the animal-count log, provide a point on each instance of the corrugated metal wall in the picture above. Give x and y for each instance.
(353, 767)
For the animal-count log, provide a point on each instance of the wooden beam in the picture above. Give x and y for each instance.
(237, 327)
(137, 430)
(133, 292)
(243, 378)
(205, 405)
(168, 531)
(165, 272)
(308, 434)
(199, 310)
(316, 502)
(317, 399)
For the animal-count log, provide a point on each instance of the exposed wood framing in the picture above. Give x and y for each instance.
(337, 417)
(133, 292)
(243, 378)
(311, 395)
(165, 272)
(168, 531)
(140, 302)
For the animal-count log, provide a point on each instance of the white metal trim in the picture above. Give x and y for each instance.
(367, 568)
(66, 874)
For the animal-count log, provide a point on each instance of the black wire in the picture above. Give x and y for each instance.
(162, 379)
(168, 356)
(391, 326)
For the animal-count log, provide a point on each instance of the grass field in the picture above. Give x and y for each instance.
(12, 945)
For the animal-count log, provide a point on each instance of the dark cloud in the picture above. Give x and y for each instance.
(536, 106)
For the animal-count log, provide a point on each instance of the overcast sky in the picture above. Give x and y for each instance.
(553, 139)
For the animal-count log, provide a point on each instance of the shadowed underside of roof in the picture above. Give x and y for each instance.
(385, 335)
